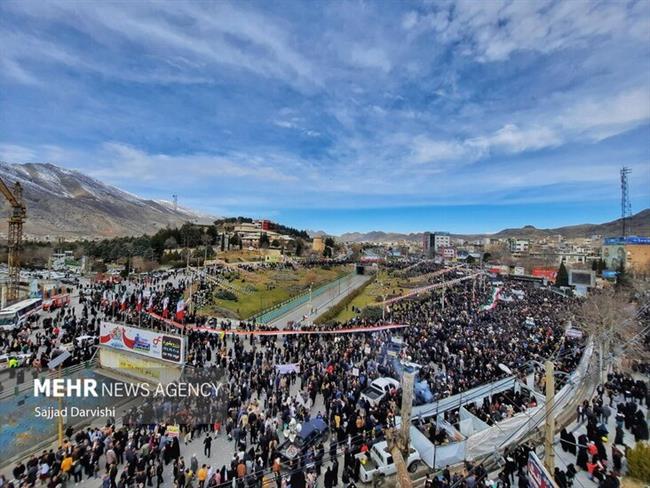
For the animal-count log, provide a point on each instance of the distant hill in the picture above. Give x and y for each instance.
(69, 204)
(638, 224)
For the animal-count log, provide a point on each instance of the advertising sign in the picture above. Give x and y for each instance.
(538, 477)
(548, 273)
(148, 343)
(582, 277)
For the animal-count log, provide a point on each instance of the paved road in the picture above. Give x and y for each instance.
(321, 303)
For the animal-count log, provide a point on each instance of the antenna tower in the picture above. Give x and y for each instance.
(626, 206)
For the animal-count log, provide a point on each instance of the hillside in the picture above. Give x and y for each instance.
(69, 204)
(638, 224)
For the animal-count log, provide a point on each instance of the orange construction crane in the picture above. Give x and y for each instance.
(15, 235)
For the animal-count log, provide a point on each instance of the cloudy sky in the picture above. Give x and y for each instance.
(462, 116)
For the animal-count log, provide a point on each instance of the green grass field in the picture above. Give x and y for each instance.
(372, 294)
(270, 287)
(386, 285)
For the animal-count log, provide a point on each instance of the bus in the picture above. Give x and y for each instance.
(16, 315)
(56, 301)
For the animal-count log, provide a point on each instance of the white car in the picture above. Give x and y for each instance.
(378, 389)
(379, 462)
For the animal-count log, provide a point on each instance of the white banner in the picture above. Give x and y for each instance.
(145, 342)
(288, 368)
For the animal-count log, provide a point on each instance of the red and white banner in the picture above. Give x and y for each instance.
(417, 291)
(166, 347)
(348, 330)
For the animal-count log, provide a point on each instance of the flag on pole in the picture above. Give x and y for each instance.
(180, 310)
(150, 304)
(165, 307)
(123, 302)
(138, 306)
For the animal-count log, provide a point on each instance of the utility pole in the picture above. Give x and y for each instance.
(398, 443)
(549, 453)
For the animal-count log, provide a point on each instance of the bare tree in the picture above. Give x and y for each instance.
(611, 318)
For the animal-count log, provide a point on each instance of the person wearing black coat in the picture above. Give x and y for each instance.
(640, 430)
(571, 439)
(581, 461)
(620, 435)
(327, 481)
(617, 459)
(560, 478)
(564, 441)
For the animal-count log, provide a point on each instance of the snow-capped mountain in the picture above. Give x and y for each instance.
(66, 203)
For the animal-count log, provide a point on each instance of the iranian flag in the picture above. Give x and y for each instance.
(180, 310)
(150, 304)
(138, 306)
(165, 305)
(123, 302)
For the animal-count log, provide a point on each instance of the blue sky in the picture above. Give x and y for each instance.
(467, 116)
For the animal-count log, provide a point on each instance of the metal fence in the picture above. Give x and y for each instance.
(277, 311)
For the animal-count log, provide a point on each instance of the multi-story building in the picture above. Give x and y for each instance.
(433, 242)
(518, 246)
(448, 252)
(318, 244)
(632, 251)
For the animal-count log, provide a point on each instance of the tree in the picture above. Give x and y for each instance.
(299, 247)
(223, 242)
(171, 243)
(486, 257)
(623, 280)
(609, 317)
(638, 460)
(327, 252)
(127, 268)
(264, 240)
(470, 259)
(275, 243)
(329, 242)
(562, 278)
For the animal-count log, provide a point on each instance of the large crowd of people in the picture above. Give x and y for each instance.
(457, 341)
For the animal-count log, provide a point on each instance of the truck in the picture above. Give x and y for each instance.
(378, 389)
(378, 461)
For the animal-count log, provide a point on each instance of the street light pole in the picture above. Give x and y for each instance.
(311, 307)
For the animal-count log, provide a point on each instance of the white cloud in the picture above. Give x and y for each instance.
(203, 36)
(13, 153)
(512, 139)
(371, 57)
(494, 30)
(604, 117)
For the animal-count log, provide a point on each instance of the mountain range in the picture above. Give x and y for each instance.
(68, 204)
(638, 224)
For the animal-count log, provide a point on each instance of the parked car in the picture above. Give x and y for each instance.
(378, 389)
(378, 461)
(312, 432)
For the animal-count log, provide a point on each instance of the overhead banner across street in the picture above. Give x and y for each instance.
(148, 343)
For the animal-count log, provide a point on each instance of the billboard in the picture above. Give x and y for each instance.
(538, 477)
(581, 277)
(548, 273)
(150, 343)
(610, 241)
